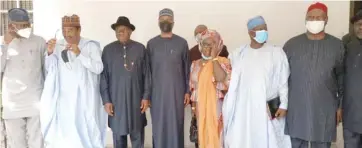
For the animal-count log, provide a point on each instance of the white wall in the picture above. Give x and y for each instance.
(284, 19)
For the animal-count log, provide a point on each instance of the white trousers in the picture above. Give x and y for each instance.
(3, 139)
(24, 132)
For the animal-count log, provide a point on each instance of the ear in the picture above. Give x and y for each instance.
(251, 33)
(326, 20)
(79, 30)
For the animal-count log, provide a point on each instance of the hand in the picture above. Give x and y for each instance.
(221, 124)
(186, 99)
(74, 48)
(109, 108)
(280, 113)
(144, 105)
(215, 52)
(8, 38)
(339, 115)
(51, 45)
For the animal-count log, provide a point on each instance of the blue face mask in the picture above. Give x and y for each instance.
(261, 36)
(206, 58)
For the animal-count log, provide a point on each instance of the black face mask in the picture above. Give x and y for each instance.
(165, 26)
(65, 56)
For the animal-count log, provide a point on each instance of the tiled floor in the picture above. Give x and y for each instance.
(188, 144)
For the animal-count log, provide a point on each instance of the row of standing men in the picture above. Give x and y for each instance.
(65, 109)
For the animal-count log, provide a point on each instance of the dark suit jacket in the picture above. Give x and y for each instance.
(195, 53)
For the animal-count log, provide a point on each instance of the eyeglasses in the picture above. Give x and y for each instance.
(56, 35)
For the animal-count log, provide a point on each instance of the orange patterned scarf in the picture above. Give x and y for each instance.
(208, 121)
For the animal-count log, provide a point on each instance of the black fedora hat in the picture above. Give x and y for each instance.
(123, 21)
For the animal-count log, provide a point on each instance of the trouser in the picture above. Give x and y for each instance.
(352, 139)
(137, 140)
(24, 132)
(3, 139)
(299, 143)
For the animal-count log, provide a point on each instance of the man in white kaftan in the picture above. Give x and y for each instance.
(72, 114)
(260, 73)
(22, 82)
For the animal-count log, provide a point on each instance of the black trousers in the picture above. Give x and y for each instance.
(352, 139)
(137, 140)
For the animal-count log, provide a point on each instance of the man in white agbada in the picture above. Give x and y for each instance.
(72, 114)
(260, 73)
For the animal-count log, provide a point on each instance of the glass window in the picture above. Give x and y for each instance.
(9, 4)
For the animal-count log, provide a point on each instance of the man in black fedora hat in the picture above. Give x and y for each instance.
(125, 85)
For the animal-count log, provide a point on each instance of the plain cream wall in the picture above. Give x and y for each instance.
(284, 19)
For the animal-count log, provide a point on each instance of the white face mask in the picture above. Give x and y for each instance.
(197, 39)
(25, 33)
(205, 57)
(315, 27)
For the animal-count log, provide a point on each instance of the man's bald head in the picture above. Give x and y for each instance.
(199, 29)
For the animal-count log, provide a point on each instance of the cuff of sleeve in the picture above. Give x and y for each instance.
(188, 92)
(3, 46)
(283, 106)
(146, 97)
(106, 101)
(105, 98)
